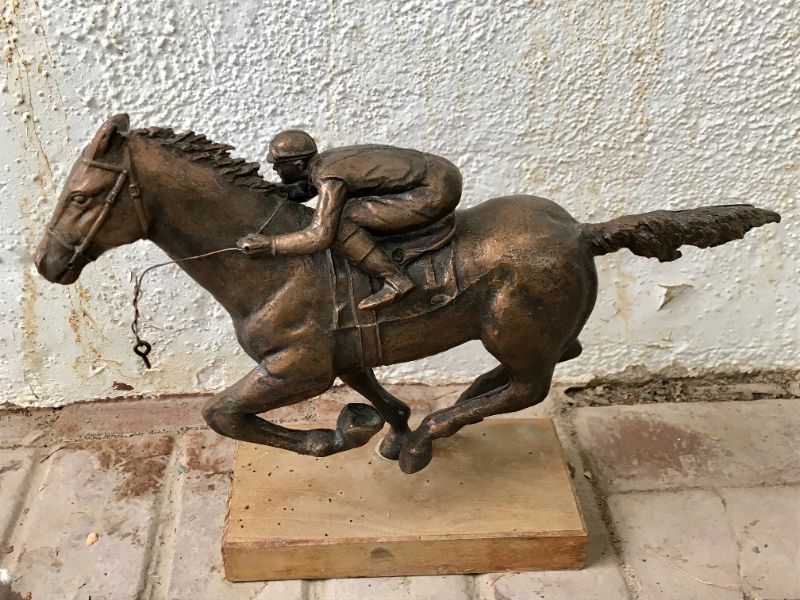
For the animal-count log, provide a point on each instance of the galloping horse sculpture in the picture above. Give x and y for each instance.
(522, 271)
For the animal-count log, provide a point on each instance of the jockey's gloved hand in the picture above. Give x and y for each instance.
(301, 191)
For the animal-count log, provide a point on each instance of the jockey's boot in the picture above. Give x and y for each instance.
(395, 285)
(362, 250)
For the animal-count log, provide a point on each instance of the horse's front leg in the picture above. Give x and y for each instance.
(394, 410)
(284, 378)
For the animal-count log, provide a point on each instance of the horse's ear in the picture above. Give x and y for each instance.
(105, 135)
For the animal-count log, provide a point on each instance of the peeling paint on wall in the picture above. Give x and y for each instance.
(607, 108)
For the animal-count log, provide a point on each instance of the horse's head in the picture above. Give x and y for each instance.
(99, 207)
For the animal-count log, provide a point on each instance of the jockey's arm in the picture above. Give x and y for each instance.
(319, 235)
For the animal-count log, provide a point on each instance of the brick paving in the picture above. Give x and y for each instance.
(683, 501)
(702, 444)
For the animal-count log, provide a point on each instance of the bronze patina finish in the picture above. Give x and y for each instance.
(362, 189)
(515, 272)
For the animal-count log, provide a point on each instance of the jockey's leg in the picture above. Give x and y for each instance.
(359, 246)
(435, 197)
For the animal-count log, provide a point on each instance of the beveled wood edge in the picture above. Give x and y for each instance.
(565, 463)
(572, 557)
(227, 522)
(516, 535)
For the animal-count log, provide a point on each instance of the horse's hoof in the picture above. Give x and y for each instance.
(321, 442)
(357, 423)
(417, 457)
(392, 443)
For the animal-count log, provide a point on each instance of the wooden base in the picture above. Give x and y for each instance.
(497, 497)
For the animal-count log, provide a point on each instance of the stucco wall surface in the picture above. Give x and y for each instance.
(605, 107)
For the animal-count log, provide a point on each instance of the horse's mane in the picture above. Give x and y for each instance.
(200, 149)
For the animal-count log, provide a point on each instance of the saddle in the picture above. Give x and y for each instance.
(406, 247)
(427, 256)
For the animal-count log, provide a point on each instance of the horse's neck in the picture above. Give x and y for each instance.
(193, 211)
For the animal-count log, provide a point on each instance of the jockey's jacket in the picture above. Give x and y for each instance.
(370, 169)
(352, 172)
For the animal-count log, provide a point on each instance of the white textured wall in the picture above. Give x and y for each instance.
(606, 107)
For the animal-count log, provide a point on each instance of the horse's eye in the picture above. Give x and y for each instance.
(81, 199)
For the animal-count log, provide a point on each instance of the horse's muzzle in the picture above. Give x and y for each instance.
(52, 261)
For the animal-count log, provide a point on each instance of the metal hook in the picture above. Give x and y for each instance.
(142, 349)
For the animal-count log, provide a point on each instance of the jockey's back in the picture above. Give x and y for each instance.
(371, 169)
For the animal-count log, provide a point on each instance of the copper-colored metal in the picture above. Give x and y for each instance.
(515, 272)
(362, 190)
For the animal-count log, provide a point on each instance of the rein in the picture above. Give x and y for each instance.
(143, 348)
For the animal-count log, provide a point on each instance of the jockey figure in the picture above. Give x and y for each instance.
(362, 189)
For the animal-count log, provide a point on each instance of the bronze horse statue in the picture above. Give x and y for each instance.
(526, 284)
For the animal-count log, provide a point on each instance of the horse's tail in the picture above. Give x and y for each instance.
(660, 233)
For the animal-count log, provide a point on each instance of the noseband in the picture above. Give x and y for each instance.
(124, 172)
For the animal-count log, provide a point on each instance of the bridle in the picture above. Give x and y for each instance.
(123, 172)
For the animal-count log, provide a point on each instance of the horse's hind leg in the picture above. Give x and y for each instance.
(233, 412)
(392, 409)
(490, 380)
(500, 376)
(418, 448)
(528, 350)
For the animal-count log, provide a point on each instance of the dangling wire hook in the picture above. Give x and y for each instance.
(143, 348)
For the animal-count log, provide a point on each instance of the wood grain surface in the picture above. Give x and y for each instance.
(496, 497)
